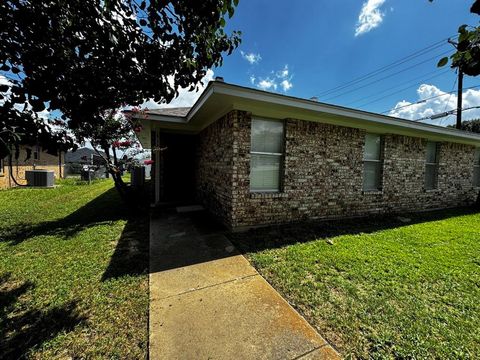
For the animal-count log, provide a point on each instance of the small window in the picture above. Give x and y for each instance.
(2, 164)
(372, 163)
(476, 168)
(431, 166)
(266, 155)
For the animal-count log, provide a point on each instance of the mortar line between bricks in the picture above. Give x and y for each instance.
(208, 286)
(310, 351)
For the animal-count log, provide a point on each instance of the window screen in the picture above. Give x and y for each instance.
(476, 168)
(372, 163)
(431, 166)
(266, 155)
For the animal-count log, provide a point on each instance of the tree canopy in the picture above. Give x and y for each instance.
(80, 58)
(470, 125)
(467, 55)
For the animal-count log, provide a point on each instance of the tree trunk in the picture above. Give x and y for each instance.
(113, 170)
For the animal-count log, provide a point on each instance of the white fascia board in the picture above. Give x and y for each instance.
(262, 96)
(361, 118)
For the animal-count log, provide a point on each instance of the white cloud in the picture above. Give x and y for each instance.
(6, 94)
(370, 16)
(185, 98)
(283, 73)
(251, 57)
(278, 78)
(267, 84)
(43, 115)
(441, 103)
(286, 85)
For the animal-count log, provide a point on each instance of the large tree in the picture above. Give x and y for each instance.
(81, 58)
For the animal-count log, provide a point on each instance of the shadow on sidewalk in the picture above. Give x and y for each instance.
(183, 239)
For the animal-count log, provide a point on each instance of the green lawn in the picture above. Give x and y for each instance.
(73, 274)
(381, 288)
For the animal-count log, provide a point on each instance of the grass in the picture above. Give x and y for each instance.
(73, 274)
(381, 288)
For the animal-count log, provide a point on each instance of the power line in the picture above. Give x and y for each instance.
(386, 67)
(446, 113)
(388, 76)
(451, 93)
(398, 85)
(425, 100)
(403, 89)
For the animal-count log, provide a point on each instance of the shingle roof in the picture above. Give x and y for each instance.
(83, 155)
(173, 111)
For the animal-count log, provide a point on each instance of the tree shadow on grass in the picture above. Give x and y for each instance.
(21, 330)
(271, 237)
(103, 209)
(131, 253)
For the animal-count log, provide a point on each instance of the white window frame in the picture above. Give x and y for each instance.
(374, 161)
(269, 154)
(476, 169)
(434, 165)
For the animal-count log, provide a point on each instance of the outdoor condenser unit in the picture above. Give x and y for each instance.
(44, 178)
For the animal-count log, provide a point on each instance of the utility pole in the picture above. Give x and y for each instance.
(459, 98)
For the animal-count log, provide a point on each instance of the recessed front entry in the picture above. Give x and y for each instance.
(177, 167)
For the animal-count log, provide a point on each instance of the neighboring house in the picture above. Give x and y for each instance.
(39, 159)
(76, 160)
(253, 158)
(84, 155)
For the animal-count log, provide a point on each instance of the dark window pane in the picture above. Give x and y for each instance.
(476, 176)
(372, 172)
(430, 177)
(431, 152)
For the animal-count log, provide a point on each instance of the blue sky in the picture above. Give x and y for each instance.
(323, 44)
(308, 47)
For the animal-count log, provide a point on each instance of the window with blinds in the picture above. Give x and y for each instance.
(431, 166)
(372, 163)
(266, 155)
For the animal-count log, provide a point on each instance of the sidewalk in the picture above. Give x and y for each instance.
(208, 302)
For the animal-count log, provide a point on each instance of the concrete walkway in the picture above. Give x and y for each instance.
(208, 302)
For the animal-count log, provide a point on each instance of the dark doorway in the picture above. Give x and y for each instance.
(177, 179)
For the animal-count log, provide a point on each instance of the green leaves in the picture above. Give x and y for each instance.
(83, 59)
(467, 55)
(443, 62)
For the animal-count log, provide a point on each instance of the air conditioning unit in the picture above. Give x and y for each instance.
(43, 178)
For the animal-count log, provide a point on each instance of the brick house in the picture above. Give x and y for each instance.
(39, 159)
(253, 158)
